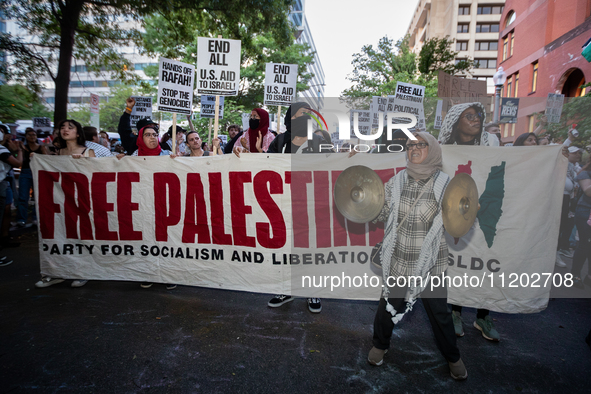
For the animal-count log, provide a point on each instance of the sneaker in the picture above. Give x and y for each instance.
(46, 281)
(487, 328)
(4, 261)
(314, 305)
(146, 285)
(458, 327)
(279, 300)
(458, 370)
(79, 282)
(20, 223)
(566, 253)
(376, 356)
(559, 262)
(170, 287)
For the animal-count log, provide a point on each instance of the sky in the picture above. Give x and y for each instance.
(341, 28)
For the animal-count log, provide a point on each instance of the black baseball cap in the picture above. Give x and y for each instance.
(144, 122)
(179, 129)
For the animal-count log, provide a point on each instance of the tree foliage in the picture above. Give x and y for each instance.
(377, 70)
(18, 102)
(92, 31)
(575, 110)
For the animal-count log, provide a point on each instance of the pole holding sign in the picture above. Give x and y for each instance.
(280, 83)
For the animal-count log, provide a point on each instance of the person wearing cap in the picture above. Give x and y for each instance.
(128, 139)
(166, 142)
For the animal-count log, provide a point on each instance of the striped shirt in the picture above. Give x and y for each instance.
(99, 150)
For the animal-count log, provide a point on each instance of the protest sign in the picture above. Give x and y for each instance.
(554, 104)
(377, 109)
(268, 225)
(94, 110)
(508, 112)
(175, 86)
(208, 107)
(245, 120)
(409, 99)
(280, 83)
(141, 109)
(218, 66)
(43, 124)
(438, 116)
(363, 120)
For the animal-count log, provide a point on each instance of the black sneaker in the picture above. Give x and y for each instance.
(279, 300)
(146, 285)
(314, 305)
(170, 287)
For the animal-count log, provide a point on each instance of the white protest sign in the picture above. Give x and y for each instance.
(280, 83)
(175, 86)
(377, 108)
(224, 138)
(554, 104)
(438, 118)
(94, 110)
(409, 99)
(245, 120)
(43, 124)
(141, 109)
(363, 121)
(218, 66)
(208, 107)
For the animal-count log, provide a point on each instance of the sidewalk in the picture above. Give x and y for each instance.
(117, 337)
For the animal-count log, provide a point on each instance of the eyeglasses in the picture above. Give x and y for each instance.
(420, 145)
(472, 117)
(151, 135)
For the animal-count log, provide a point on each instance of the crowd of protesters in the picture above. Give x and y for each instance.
(464, 124)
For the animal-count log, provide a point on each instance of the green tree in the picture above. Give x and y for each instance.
(90, 32)
(18, 102)
(575, 110)
(377, 70)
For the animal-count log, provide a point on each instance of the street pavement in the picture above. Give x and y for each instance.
(115, 337)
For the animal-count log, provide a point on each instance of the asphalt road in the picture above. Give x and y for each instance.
(115, 337)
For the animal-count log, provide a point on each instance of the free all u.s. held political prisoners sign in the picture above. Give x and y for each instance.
(268, 223)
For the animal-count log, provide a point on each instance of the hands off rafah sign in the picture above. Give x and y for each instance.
(218, 66)
(175, 86)
(280, 83)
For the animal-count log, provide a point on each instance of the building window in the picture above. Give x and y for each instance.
(75, 84)
(463, 27)
(487, 28)
(510, 18)
(531, 121)
(462, 46)
(505, 43)
(88, 84)
(486, 46)
(486, 63)
(74, 100)
(464, 10)
(534, 83)
(50, 100)
(516, 84)
(509, 84)
(512, 129)
(512, 43)
(490, 10)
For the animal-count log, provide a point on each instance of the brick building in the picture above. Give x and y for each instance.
(540, 50)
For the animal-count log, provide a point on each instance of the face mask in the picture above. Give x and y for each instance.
(254, 123)
(299, 126)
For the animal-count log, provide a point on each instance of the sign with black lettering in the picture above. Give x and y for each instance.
(554, 104)
(208, 107)
(175, 86)
(141, 109)
(363, 121)
(218, 66)
(43, 124)
(280, 83)
(409, 99)
(508, 113)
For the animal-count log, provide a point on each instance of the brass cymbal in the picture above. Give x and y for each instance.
(460, 205)
(359, 194)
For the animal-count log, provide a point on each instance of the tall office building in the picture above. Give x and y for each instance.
(314, 95)
(472, 24)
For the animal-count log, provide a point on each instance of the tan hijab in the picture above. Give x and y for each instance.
(432, 162)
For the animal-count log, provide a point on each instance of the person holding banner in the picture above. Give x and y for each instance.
(258, 137)
(464, 125)
(128, 139)
(414, 246)
(194, 145)
(235, 133)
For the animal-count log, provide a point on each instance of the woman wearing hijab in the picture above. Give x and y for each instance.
(258, 137)
(464, 125)
(414, 246)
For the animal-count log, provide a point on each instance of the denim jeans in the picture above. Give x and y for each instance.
(25, 183)
(583, 250)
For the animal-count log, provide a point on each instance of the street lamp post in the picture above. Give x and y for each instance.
(499, 80)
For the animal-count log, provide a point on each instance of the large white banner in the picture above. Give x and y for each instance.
(267, 223)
